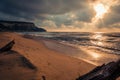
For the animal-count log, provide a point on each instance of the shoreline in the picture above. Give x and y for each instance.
(79, 53)
(65, 49)
(87, 55)
(70, 50)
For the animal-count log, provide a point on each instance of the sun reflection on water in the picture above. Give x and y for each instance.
(98, 36)
(97, 39)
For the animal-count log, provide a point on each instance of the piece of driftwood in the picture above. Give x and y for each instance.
(110, 71)
(43, 78)
(27, 63)
(8, 46)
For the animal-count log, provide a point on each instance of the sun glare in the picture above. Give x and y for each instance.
(100, 10)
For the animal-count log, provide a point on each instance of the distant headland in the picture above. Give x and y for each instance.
(19, 26)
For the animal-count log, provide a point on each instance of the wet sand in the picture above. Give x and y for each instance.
(92, 56)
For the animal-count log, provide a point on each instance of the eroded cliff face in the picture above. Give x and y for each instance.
(17, 26)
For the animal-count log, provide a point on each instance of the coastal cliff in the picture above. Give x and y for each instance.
(17, 26)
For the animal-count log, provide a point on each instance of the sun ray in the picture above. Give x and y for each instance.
(100, 10)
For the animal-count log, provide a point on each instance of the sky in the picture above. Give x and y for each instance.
(65, 15)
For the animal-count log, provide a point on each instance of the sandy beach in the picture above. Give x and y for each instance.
(48, 63)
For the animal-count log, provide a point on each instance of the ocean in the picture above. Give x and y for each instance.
(98, 45)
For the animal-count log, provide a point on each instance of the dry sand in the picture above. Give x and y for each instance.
(49, 63)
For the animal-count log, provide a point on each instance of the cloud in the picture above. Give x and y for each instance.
(68, 19)
(86, 15)
(58, 13)
(34, 8)
(111, 19)
(48, 13)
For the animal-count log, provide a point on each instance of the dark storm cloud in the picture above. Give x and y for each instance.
(86, 15)
(32, 9)
(114, 16)
(62, 19)
(83, 15)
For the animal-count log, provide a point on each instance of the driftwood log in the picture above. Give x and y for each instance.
(110, 71)
(7, 47)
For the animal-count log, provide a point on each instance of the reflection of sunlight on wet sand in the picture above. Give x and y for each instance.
(95, 55)
(92, 56)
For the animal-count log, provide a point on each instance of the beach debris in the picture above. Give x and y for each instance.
(27, 63)
(8, 46)
(43, 78)
(110, 71)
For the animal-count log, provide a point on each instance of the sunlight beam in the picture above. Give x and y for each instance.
(100, 10)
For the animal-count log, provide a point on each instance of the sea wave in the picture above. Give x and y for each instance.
(106, 42)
